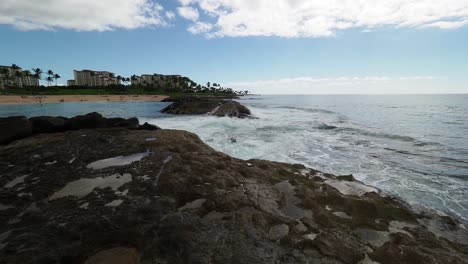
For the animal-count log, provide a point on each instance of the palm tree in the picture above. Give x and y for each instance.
(56, 76)
(133, 78)
(50, 77)
(37, 74)
(16, 74)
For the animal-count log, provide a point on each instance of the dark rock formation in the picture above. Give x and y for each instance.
(15, 127)
(48, 124)
(210, 106)
(227, 97)
(231, 109)
(108, 195)
(147, 126)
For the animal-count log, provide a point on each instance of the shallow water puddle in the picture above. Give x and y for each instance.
(193, 205)
(117, 161)
(342, 215)
(351, 187)
(115, 203)
(290, 209)
(15, 181)
(83, 187)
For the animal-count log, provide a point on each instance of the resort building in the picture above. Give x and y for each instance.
(14, 76)
(71, 83)
(93, 78)
(160, 80)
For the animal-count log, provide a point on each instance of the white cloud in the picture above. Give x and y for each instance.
(170, 15)
(199, 27)
(318, 18)
(342, 85)
(82, 15)
(188, 13)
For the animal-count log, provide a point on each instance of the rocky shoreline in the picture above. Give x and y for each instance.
(215, 106)
(98, 190)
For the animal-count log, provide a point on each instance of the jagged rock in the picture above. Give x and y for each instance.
(19, 127)
(91, 120)
(210, 106)
(48, 124)
(131, 123)
(232, 109)
(12, 128)
(147, 126)
(106, 195)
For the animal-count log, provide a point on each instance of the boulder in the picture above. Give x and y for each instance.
(147, 126)
(192, 106)
(91, 120)
(12, 128)
(131, 123)
(48, 124)
(210, 106)
(232, 109)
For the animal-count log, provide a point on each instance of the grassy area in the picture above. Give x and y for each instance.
(129, 91)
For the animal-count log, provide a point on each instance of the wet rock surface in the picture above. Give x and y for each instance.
(112, 196)
(209, 106)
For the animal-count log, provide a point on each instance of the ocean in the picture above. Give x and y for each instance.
(412, 146)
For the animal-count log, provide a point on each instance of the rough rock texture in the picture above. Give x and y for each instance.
(13, 128)
(210, 106)
(112, 196)
(48, 124)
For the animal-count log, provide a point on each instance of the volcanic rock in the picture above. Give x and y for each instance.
(108, 195)
(209, 106)
(15, 127)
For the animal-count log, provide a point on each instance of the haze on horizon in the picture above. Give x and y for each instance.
(267, 47)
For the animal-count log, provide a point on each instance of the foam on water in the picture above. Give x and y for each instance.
(378, 144)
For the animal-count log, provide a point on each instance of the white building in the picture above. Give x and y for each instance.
(16, 77)
(93, 78)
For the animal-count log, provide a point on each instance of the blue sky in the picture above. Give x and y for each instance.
(221, 43)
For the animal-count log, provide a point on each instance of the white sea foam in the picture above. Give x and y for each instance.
(375, 153)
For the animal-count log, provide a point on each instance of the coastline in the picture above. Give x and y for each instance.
(284, 207)
(50, 99)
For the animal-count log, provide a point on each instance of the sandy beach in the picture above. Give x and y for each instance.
(50, 99)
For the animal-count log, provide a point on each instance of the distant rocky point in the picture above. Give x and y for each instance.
(106, 194)
(207, 106)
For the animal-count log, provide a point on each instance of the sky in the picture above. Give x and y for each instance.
(264, 46)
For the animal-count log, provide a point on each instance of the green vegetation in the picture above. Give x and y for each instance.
(156, 84)
(109, 90)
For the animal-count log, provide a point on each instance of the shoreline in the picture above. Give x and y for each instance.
(51, 99)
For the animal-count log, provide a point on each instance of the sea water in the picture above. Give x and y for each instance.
(411, 146)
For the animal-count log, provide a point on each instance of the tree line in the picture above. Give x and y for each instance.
(34, 73)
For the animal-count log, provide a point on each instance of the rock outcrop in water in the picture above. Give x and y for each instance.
(114, 195)
(17, 127)
(206, 105)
